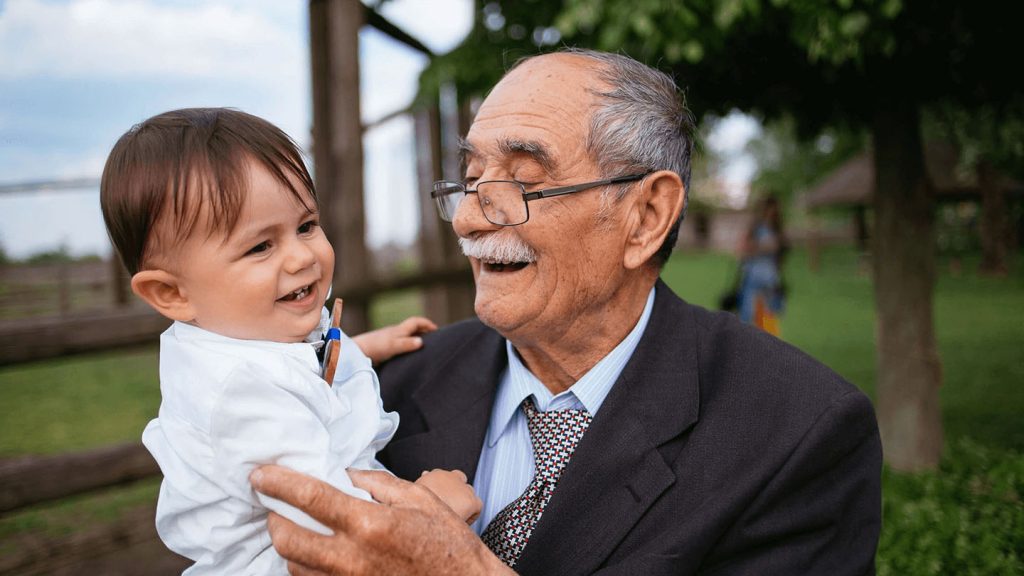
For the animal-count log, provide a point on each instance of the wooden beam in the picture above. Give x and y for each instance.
(49, 185)
(373, 18)
(459, 275)
(387, 118)
(41, 338)
(338, 146)
(126, 544)
(34, 479)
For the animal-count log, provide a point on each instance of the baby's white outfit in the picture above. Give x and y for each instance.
(230, 405)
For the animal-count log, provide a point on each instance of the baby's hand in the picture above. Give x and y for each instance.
(451, 487)
(385, 343)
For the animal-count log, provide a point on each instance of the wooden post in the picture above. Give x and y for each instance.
(860, 223)
(338, 146)
(64, 288)
(438, 244)
(118, 280)
(995, 226)
(437, 131)
(814, 245)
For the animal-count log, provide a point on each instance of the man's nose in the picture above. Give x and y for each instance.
(469, 218)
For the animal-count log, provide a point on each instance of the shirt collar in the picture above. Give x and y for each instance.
(587, 393)
(189, 332)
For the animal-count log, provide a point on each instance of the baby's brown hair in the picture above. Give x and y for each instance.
(180, 161)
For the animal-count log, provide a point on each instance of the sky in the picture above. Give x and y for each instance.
(76, 74)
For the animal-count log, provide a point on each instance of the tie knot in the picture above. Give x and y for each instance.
(555, 435)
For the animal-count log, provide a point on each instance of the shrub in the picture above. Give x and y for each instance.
(966, 518)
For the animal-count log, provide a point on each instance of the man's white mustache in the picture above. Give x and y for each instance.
(497, 247)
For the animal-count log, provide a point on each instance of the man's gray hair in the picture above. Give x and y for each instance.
(641, 124)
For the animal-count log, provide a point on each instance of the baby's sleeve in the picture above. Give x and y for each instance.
(292, 423)
(355, 383)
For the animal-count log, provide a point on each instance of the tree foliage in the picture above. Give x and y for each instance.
(789, 165)
(988, 132)
(825, 62)
(503, 33)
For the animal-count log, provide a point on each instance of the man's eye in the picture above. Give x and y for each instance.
(308, 227)
(261, 247)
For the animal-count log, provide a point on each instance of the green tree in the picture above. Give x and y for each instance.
(990, 139)
(788, 164)
(865, 64)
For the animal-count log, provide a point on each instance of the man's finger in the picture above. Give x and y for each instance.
(318, 499)
(300, 546)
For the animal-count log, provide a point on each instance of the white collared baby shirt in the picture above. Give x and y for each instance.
(231, 405)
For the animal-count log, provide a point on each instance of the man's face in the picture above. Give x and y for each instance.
(266, 281)
(532, 128)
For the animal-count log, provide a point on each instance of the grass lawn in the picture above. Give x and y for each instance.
(966, 518)
(830, 315)
(94, 400)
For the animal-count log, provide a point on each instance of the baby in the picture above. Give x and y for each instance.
(215, 216)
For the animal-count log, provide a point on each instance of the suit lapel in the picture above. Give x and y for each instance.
(456, 406)
(617, 471)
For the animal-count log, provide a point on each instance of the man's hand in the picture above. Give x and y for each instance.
(410, 532)
(385, 343)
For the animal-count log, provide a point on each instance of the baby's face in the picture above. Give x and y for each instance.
(266, 281)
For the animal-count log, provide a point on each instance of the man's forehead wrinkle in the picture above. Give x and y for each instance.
(522, 126)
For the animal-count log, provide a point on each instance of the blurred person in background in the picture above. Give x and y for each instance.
(762, 293)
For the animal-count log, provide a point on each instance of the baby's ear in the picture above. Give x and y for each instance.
(163, 291)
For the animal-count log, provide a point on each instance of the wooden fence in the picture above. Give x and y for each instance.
(33, 479)
(120, 546)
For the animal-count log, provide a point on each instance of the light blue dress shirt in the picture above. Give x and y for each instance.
(506, 464)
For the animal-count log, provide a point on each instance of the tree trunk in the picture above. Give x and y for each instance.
(995, 229)
(909, 369)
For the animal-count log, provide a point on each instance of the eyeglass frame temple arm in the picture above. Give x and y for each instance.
(550, 192)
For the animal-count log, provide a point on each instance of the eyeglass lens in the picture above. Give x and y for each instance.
(502, 203)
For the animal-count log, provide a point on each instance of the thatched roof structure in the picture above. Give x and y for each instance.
(853, 184)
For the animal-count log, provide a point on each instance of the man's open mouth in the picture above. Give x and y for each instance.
(503, 266)
(297, 295)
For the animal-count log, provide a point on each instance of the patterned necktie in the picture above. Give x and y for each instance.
(555, 435)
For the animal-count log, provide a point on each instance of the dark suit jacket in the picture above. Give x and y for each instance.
(720, 450)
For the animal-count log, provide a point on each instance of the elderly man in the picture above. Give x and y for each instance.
(608, 426)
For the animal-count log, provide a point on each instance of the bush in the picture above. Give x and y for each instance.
(967, 518)
(58, 256)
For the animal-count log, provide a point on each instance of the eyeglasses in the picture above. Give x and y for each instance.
(506, 202)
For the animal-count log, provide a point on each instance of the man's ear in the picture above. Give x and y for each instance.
(657, 207)
(163, 291)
